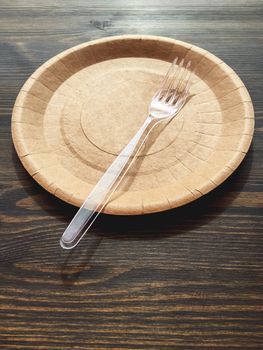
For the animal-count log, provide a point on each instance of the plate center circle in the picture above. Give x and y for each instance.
(117, 105)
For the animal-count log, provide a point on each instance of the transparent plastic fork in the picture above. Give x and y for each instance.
(165, 105)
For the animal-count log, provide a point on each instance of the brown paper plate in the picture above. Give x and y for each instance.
(78, 110)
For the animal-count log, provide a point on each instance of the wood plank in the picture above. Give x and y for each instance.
(189, 278)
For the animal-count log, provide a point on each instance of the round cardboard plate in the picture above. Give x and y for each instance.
(79, 109)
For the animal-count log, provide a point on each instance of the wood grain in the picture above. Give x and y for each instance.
(189, 278)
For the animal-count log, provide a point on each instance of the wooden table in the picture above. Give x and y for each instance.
(190, 278)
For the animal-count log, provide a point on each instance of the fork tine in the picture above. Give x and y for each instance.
(166, 79)
(173, 79)
(187, 87)
(183, 81)
(188, 82)
(179, 80)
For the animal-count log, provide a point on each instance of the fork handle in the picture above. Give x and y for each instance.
(105, 187)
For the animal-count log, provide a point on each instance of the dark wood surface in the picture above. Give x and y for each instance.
(190, 278)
